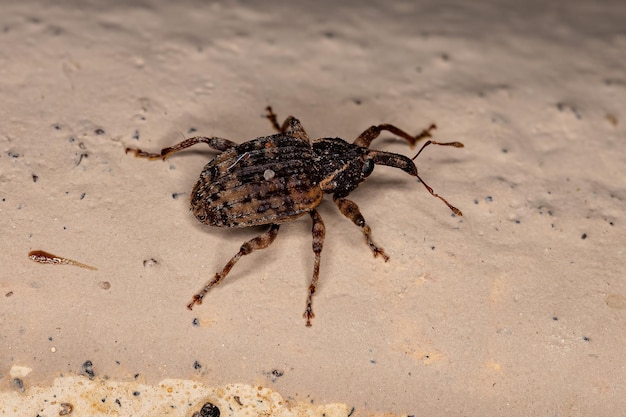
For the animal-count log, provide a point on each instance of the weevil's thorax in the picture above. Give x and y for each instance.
(341, 165)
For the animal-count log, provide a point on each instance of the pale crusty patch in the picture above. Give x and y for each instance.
(171, 397)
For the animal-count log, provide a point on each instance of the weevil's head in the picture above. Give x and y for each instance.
(342, 166)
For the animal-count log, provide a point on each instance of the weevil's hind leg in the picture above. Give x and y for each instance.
(291, 125)
(260, 242)
(319, 233)
(366, 138)
(350, 209)
(271, 116)
(219, 144)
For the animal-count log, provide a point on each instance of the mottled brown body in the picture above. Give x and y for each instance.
(234, 192)
(275, 179)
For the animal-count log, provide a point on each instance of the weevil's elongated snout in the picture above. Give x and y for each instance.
(393, 160)
(407, 165)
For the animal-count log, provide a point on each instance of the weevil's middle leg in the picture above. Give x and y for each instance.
(260, 242)
(366, 138)
(350, 209)
(319, 233)
(219, 144)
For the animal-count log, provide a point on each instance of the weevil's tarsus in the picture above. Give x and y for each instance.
(141, 154)
(291, 125)
(219, 144)
(366, 138)
(271, 116)
(260, 242)
(351, 210)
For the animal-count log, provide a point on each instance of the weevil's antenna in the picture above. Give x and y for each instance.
(430, 190)
(432, 142)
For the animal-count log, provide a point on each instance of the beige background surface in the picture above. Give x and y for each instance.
(517, 308)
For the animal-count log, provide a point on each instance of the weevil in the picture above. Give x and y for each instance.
(275, 179)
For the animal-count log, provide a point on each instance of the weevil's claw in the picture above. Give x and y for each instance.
(378, 251)
(197, 299)
(426, 133)
(308, 315)
(141, 154)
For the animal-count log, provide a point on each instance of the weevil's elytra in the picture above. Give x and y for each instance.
(236, 191)
(275, 179)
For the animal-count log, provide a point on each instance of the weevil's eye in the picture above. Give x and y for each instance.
(368, 167)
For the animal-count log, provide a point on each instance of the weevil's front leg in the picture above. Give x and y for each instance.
(260, 242)
(319, 233)
(349, 209)
(366, 138)
(219, 144)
